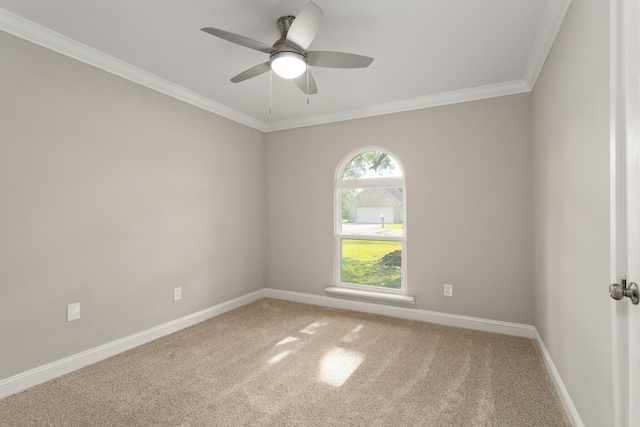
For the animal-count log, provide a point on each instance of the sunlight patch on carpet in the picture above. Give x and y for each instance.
(287, 340)
(278, 357)
(353, 335)
(315, 326)
(338, 364)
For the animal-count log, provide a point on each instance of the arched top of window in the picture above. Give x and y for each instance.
(370, 163)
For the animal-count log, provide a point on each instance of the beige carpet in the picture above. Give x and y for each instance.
(278, 363)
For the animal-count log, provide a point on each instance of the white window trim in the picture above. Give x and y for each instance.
(391, 181)
(369, 294)
(366, 291)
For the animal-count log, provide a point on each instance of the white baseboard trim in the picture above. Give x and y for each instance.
(466, 322)
(55, 369)
(565, 398)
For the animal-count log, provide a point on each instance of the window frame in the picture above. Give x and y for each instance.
(365, 183)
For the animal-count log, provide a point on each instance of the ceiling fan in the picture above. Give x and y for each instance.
(289, 57)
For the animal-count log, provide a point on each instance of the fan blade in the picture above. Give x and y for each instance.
(305, 27)
(338, 60)
(238, 39)
(252, 72)
(302, 83)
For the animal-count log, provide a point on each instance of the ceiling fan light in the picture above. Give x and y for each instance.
(288, 65)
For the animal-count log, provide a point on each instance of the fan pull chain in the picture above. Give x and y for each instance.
(270, 89)
(307, 84)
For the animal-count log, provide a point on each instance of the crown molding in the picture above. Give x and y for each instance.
(35, 33)
(552, 18)
(436, 100)
(553, 15)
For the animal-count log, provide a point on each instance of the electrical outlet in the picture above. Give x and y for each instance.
(177, 293)
(448, 290)
(73, 312)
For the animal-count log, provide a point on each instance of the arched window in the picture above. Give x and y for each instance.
(370, 223)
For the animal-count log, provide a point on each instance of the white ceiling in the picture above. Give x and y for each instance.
(426, 52)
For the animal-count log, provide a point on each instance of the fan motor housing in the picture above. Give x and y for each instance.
(284, 23)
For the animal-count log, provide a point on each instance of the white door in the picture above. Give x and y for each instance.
(631, 69)
(626, 104)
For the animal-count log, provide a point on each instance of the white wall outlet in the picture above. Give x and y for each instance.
(177, 293)
(448, 290)
(73, 312)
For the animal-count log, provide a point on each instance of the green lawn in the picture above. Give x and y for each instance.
(361, 263)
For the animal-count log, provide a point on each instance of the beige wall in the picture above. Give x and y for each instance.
(468, 177)
(571, 209)
(112, 194)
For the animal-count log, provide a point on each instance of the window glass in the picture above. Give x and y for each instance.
(371, 164)
(370, 217)
(373, 211)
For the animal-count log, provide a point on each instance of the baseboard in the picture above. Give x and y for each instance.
(565, 398)
(55, 369)
(466, 322)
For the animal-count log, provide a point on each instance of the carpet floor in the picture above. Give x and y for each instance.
(279, 363)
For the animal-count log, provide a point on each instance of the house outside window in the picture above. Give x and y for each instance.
(371, 222)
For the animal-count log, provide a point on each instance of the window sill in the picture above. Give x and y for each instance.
(369, 294)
